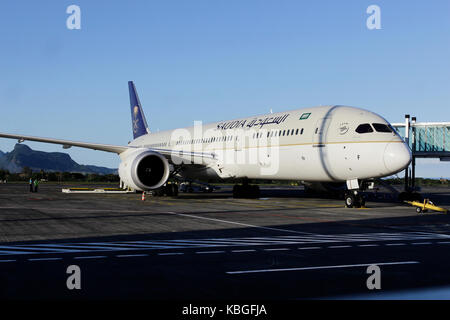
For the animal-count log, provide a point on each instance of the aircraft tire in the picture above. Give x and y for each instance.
(237, 191)
(361, 201)
(350, 200)
(168, 190)
(175, 190)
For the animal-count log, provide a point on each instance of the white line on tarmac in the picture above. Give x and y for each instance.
(338, 247)
(277, 249)
(131, 255)
(91, 257)
(44, 259)
(238, 223)
(420, 243)
(10, 252)
(245, 250)
(170, 253)
(324, 267)
(8, 260)
(201, 252)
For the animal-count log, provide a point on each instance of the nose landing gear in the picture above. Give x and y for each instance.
(353, 198)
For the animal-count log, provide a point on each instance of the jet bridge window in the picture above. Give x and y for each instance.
(364, 128)
(380, 127)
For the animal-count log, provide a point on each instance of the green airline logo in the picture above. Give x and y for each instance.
(305, 116)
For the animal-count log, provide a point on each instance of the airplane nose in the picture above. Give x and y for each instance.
(397, 157)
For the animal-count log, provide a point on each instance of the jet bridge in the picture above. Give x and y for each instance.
(426, 140)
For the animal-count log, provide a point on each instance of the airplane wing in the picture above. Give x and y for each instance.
(139, 128)
(171, 155)
(67, 143)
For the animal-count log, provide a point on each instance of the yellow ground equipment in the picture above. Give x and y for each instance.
(425, 206)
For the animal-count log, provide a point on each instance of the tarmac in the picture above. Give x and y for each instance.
(283, 246)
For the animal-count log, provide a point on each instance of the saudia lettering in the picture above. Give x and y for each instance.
(261, 122)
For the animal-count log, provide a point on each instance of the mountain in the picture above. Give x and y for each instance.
(1, 153)
(23, 156)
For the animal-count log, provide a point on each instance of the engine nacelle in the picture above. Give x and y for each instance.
(143, 169)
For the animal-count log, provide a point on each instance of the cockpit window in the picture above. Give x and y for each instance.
(364, 128)
(380, 127)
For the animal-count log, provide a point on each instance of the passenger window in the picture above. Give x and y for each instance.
(380, 127)
(364, 128)
(301, 131)
(296, 132)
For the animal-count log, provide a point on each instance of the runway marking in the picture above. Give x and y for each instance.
(169, 253)
(8, 260)
(420, 243)
(239, 251)
(64, 247)
(277, 249)
(338, 247)
(131, 255)
(309, 248)
(237, 223)
(201, 252)
(44, 259)
(324, 267)
(91, 257)
(12, 252)
(310, 241)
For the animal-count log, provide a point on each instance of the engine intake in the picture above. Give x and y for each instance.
(144, 170)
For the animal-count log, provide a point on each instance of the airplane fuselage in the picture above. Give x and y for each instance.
(326, 143)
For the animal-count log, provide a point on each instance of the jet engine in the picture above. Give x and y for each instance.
(143, 169)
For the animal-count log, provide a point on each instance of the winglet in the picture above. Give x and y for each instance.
(139, 124)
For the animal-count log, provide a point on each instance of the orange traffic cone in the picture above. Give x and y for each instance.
(143, 196)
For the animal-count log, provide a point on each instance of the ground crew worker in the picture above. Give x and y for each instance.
(36, 184)
(31, 184)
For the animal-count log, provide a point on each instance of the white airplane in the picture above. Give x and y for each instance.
(325, 144)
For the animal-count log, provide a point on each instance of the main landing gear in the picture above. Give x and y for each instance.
(169, 189)
(245, 190)
(353, 199)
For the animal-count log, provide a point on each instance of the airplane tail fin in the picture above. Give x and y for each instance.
(139, 123)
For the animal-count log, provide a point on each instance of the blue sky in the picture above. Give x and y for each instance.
(213, 60)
